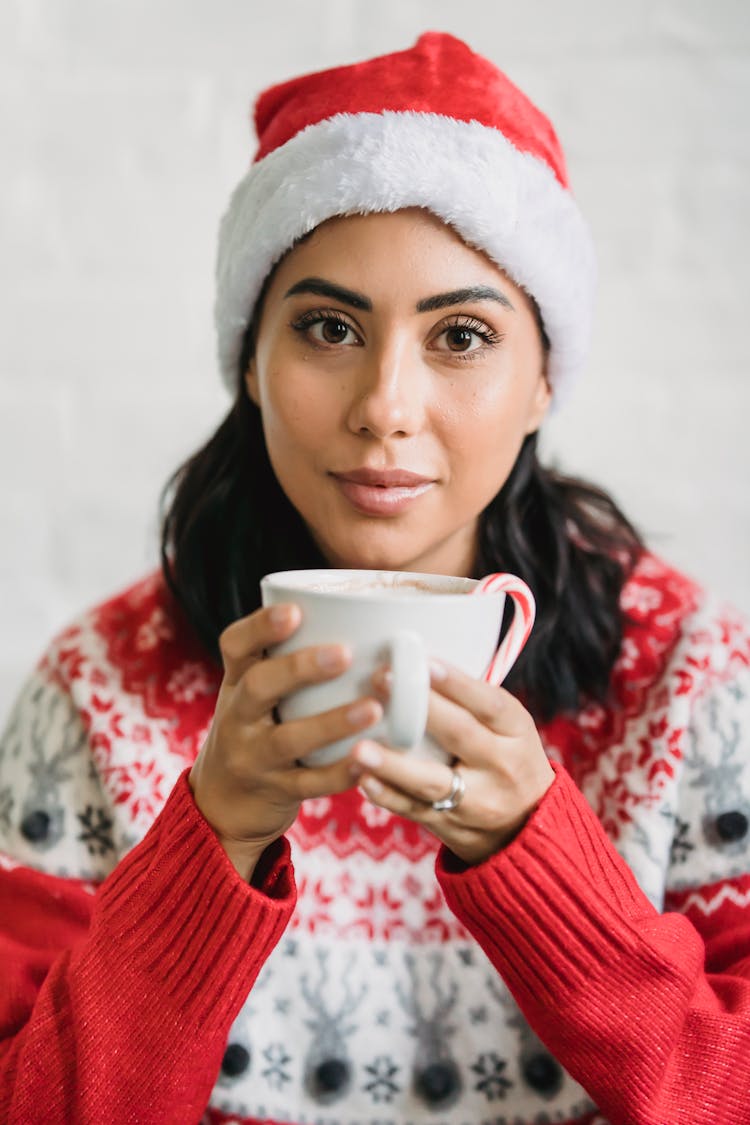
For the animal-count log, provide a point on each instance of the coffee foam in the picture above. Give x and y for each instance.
(397, 588)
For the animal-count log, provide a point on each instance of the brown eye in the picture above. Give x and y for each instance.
(459, 339)
(464, 336)
(334, 331)
(327, 330)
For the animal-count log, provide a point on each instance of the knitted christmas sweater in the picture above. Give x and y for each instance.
(596, 970)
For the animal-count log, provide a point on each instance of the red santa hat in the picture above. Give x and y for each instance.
(438, 127)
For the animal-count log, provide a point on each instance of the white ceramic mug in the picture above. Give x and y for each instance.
(400, 619)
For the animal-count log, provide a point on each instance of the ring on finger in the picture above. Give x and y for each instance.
(453, 798)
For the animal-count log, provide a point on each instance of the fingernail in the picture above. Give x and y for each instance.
(438, 671)
(281, 615)
(363, 713)
(329, 659)
(371, 788)
(369, 755)
(383, 678)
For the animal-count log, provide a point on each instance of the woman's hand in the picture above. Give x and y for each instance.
(497, 752)
(245, 780)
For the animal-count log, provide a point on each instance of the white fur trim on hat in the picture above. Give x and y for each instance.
(506, 202)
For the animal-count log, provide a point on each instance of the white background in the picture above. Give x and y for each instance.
(125, 125)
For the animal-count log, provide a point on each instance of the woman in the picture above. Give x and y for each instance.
(404, 289)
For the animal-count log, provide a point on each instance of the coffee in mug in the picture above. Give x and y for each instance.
(401, 619)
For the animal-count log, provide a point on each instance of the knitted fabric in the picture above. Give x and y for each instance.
(596, 970)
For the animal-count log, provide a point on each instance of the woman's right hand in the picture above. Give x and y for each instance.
(246, 781)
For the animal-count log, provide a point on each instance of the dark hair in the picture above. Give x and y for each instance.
(227, 522)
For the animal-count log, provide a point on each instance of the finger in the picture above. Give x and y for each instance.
(321, 781)
(397, 802)
(487, 738)
(491, 706)
(458, 731)
(473, 842)
(243, 641)
(417, 779)
(295, 739)
(267, 681)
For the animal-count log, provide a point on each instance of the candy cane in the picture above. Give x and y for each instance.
(520, 627)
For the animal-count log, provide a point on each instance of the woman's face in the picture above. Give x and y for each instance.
(397, 371)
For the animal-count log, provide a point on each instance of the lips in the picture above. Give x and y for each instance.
(384, 478)
(382, 492)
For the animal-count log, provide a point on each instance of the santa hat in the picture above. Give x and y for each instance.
(437, 127)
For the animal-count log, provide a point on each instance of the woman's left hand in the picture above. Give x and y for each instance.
(497, 752)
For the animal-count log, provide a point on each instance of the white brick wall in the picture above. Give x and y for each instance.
(124, 126)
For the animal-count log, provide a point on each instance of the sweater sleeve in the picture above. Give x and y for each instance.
(617, 991)
(115, 1004)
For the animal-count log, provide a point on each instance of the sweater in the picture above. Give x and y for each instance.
(595, 970)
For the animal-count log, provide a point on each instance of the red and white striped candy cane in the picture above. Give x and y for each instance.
(521, 625)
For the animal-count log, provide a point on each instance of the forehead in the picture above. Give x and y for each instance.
(409, 248)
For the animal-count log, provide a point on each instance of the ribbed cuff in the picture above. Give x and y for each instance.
(556, 904)
(178, 911)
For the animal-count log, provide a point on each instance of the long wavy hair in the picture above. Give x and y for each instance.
(226, 522)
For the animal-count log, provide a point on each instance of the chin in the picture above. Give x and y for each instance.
(354, 556)
(370, 562)
(384, 547)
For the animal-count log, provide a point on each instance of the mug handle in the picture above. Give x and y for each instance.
(407, 708)
(524, 611)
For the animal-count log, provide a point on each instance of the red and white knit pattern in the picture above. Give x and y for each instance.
(376, 969)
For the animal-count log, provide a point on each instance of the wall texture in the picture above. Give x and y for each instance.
(124, 127)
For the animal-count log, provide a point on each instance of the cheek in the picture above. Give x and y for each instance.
(489, 417)
(483, 428)
(291, 413)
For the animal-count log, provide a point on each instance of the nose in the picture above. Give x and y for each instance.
(389, 396)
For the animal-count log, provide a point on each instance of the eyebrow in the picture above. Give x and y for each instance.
(328, 289)
(461, 296)
(324, 288)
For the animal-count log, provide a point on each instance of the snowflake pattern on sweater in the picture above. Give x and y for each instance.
(378, 1006)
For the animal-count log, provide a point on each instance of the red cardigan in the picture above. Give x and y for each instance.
(116, 1002)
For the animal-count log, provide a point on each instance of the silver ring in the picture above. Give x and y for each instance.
(453, 799)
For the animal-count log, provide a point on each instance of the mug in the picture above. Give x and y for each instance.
(401, 619)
